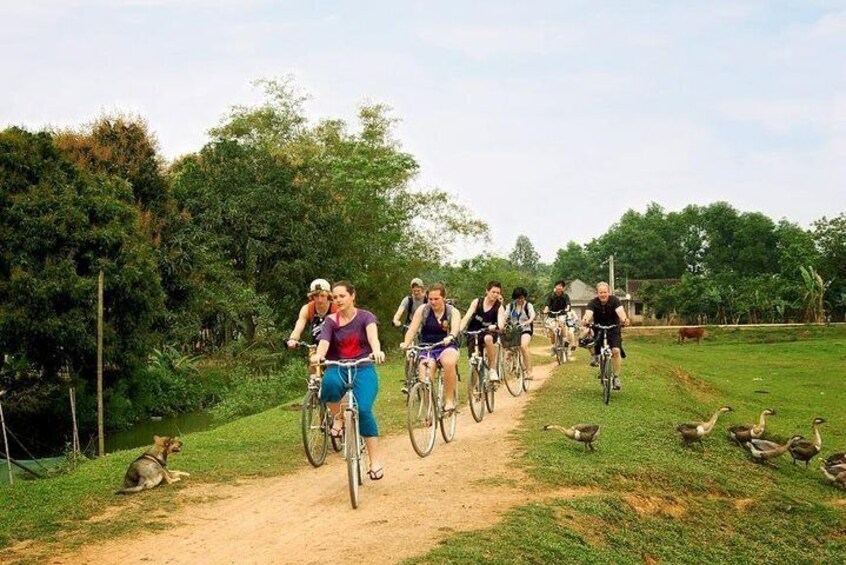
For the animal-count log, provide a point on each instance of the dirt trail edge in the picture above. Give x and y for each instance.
(306, 517)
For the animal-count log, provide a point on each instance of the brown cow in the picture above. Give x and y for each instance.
(691, 333)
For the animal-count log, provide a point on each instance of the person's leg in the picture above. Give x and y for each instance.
(449, 361)
(490, 352)
(331, 391)
(365, 388)
(616, 365)
(525, 340)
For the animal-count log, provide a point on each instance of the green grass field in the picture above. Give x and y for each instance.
(654, 501)
(657, 501)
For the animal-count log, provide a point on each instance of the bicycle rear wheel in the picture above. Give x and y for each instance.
(449, 422)
(420, 419)
(314, 429)
(607, 378)
(353, 451)
(514, 372)
(476, 394)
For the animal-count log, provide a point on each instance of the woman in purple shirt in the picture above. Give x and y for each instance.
(352, 334)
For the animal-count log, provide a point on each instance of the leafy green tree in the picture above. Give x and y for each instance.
(524, 255)
(572, 263)
(60, 226)
(830, 237)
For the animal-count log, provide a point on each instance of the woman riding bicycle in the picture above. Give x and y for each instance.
(520, 313)
(440, 324)
(486, 313)
(352, 334)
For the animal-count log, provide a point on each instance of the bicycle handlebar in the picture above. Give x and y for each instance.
(347, 364)
(306, 344)
(600, 327)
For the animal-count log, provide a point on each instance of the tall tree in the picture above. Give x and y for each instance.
(524, 255)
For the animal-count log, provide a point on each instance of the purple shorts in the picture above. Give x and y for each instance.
(436, 352)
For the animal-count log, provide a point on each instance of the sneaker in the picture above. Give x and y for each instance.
(594, 361)
(616, 383)
(493, 376)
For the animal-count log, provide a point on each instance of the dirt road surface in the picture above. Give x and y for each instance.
(306, 517)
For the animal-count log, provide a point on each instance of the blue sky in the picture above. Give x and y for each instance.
(548, 119)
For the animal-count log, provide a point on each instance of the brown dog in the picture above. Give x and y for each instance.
(149, 470)
(691, 333)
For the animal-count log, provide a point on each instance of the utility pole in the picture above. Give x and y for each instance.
(611, 273)
(101, 443)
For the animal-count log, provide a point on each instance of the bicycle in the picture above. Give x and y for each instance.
(515, 366)
(354, 448)
(481, 390)
(606, 372)
(425, 408)
(562, 345)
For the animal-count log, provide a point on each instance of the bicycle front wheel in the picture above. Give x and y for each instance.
(449, 422)
(514, 373)
(352, 444)
(476, 394)
(420, 419)
(559, 350)
(607, 379)
(314, 429)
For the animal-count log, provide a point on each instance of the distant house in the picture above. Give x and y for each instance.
(632, 298)
(580, 294)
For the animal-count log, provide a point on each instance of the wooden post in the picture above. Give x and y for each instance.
(101, 443)
(611, 273)
(72, 393)
(6, 440)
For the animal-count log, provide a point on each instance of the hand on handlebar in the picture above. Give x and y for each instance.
(448, 339)
(396, 323)
(403, 346)
(378, 357)
(292, 343)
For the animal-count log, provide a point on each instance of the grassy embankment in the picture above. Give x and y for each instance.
(659, 502)
(262, 445)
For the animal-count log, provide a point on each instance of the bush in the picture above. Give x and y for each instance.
(247, 393)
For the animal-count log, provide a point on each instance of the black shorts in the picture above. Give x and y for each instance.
(615, 339)
(471, 342)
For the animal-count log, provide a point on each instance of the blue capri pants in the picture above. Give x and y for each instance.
(365, 388)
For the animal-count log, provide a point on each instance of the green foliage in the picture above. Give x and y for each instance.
(524, 256)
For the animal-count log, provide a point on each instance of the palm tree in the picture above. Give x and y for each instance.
(812, 294)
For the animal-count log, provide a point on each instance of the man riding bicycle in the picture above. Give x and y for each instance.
(486, 313)
(558, 305)
(410, 303)
(313, 314)
(607, 310)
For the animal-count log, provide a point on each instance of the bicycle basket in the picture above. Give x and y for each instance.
(511, 336)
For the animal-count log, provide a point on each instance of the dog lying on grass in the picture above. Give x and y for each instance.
(149, 470)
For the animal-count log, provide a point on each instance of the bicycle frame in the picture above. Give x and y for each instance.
(605, 355)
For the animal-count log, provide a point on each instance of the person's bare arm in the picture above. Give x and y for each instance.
(412, 328)
(302, 320)
(469, 314)
(621, 313)
(373, 339)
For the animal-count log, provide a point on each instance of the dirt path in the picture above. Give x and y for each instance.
(306, 517)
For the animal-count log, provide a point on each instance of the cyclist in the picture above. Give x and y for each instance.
(313, 313)
(521, 314)
(438, 322)
(351, 334)
(557, 301)
(486, 312)
(607, 310)
(410, 303)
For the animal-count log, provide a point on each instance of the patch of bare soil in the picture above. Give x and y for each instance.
(306, 517)
(697, 387)
(652, 505)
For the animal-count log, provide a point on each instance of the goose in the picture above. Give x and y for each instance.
(695, 431)
(585, 433)
(764, 450)
(744, 432)
(835, 474)
(836, 459)
(807, 450)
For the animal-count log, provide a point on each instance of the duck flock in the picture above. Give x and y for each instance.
(749, 436)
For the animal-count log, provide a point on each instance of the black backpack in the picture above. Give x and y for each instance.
(409, 312)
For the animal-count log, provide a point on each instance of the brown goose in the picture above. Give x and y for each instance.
(695, 431)
(835, 474)
(585, 433)
(836, 459)
(744, 432)
(764, 450)
(807, 450)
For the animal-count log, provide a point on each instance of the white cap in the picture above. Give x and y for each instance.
(318, 285)
(416, 282)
